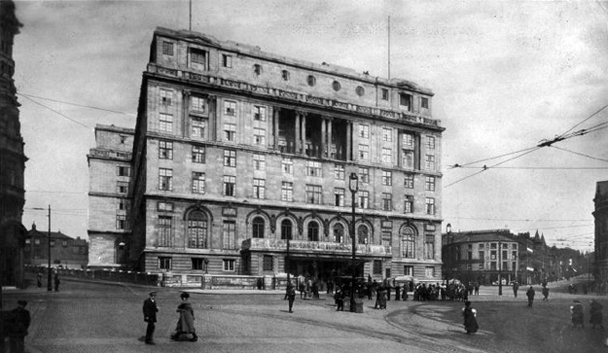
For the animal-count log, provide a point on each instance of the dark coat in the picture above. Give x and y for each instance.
(530, 293)
(596, 313)
(185, 323)
(150, 309)
(470, 322)
(17, 322)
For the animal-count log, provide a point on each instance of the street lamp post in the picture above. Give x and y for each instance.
(450, 252)
(500, 266)
(354, 187)
(49, 275)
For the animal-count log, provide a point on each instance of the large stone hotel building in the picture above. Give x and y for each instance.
(241, 163)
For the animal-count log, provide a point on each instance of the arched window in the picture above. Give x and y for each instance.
(197, 230)
(286, 229)
(258, 227)
(339, 233)
(362, 234)
(313, 231)
(408, 243)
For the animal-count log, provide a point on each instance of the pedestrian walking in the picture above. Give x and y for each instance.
(17, 322)
(470, 318)
(39, 279)
(545, 292)
(576, 310)
(530, 294)
(595, 312)
(515, 289)
(185, 322)
(57, 281)
(339, 298)
(291, 296)
(150, 309)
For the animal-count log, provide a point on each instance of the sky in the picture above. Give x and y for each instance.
(506, 76)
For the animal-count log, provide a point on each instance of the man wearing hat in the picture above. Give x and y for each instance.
(18, 324)
(150, 309)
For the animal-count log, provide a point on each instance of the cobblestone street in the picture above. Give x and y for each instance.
(91, 317)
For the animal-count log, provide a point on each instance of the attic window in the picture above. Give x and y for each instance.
(257, 68)
(167, 48)
(311, 80)
(285, 75)
(336, 86)
(360, 91)
(424, 103)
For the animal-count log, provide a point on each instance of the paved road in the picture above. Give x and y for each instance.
(93, 317)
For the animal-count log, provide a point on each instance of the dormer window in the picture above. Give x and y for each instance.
(198, 58)
(257, 69)
(285, 75)
(167, 48)
(424, 103)
(405, 100)
(226, 60)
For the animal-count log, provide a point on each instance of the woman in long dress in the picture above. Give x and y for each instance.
(185, 323)
(470, 318)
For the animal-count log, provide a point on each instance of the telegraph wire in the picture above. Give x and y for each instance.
(584, 120)
(74, 104)
(544, 168)
(54, 111)
(487, 159)
(56, 192)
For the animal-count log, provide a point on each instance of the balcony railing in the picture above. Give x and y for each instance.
(314, 246)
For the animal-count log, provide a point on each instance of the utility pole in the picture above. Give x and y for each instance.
(500, 266)
(49, 278)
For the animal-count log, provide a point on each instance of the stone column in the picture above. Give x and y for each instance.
(303, 115)
(324, 137)
(275, 116)
(349, 142)
(298, 141)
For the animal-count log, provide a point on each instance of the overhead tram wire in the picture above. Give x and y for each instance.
(583, 155)
(74, 104)
(56, 112)
(490, 158)
(590, 116)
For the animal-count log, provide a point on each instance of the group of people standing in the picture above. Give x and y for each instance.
(184, 329)
(595, 313)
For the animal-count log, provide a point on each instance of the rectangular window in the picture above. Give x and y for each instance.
(198, 56)
(339, 172)
(162, 206)
(165, 179)
(364, 175)
(424, 103)
(387, 201)
(199, 127)
(339, 196)
(229, 108)
(430, 205)
(387, 178)
(363, 199)
(123, 171)
(167, 48)
(429, 184)
(287, 191)
(408, 270)
(493, 265)
(198, 104)
(259, 162)
(387, 155)
(259, 113)
(387, 237)
(226, 60)
(405, 100)
(198, 154)
(408, 159)
(122, 205)
(363, 152)
(313, 169)
(198, 183)
(166, 97)
(314, 194)
(377, 267)
(259, 136)
(229, 158)
(197, 263)
(259, 188)
(429, 162)
(229, 185)
(409, 181)
(363, 131)
(229, 235)
(429, 271)
(384, 94)
(387, 134)
(267, 263)
(408, 141)
(408, 206)
(429, 247)
(430, 142)
(121, 222)
(287, 165)
(230, 132)
(166, 122)
(228, 265)
(165, 230)
(165, 150)
(122, 187)
(481, 255)
(164, 263)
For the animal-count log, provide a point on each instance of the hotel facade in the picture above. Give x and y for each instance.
(242, 160)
